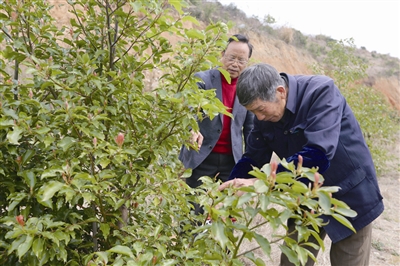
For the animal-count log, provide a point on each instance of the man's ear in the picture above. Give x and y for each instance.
(223, 53)
(282, 91)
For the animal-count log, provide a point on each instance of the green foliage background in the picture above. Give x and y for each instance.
(79, 190)
(379, 121)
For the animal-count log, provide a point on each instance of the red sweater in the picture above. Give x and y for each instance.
(224, 144)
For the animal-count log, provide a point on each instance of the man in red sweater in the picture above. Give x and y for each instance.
(220, 140)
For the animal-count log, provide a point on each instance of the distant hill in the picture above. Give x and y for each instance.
(285, 48)
(291, 51)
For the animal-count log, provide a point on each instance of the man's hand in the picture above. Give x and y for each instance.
(196, 137)
(245, 182)
(237, 183)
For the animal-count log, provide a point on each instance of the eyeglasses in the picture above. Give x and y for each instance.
(231, 59)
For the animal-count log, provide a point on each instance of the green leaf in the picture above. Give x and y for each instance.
(16, 243)
(284, 177)
(259, 262)
(29, 178)
(264, 243)
(103, 256)
(37, 246)
(66, 143)
(27, 156)
(225, 73)
(123, 250)
(302, 254)
(11, 113)
(177, 5)
(15, 135)
(5, 123)
(190, 18)
(260, 187)
(24, 247)
(48, 140)
(331, 189)
(343, 221)
(324, 200)
(264, 201)
(105, 229)
(48, 190)
(218, 232)
(244, 199)
(85, 176)
(54, 171)
(345, 212)
(299, 187)
(290, 254)
(104, 162)
(195, 34)
(16, 199)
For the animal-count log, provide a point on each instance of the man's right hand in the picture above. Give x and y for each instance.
(196, 137)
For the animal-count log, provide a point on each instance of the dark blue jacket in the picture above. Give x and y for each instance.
(319, 125)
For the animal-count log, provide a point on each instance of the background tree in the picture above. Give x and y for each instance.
(379, 121)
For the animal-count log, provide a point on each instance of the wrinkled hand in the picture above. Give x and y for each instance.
(196, 137)
(245, 182)
(237, 183)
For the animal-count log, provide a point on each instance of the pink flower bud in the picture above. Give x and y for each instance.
(95, 141)
(30, 94)
(20, 220)
(316, 182)
(14, 16)
(120, 139)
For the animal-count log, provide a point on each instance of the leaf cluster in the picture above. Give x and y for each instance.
(296, 194)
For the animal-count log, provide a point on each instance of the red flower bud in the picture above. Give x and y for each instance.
(154, 260)
(20, 220)
(120, 139)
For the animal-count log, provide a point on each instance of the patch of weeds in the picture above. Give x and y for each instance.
(395, 253)
(378, 245)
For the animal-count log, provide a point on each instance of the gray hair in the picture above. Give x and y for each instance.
(258, 81)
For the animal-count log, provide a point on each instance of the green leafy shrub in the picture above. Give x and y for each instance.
(378, 120)
(89, 155)
(276, 198)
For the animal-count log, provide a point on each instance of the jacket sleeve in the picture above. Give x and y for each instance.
(248, 126)
(257, 153)
(312, 157)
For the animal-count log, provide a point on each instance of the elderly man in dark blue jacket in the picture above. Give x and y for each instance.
(308, 116)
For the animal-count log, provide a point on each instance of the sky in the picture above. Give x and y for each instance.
(374, 25)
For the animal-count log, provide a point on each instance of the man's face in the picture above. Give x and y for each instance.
(269, 111)
(235, 58)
